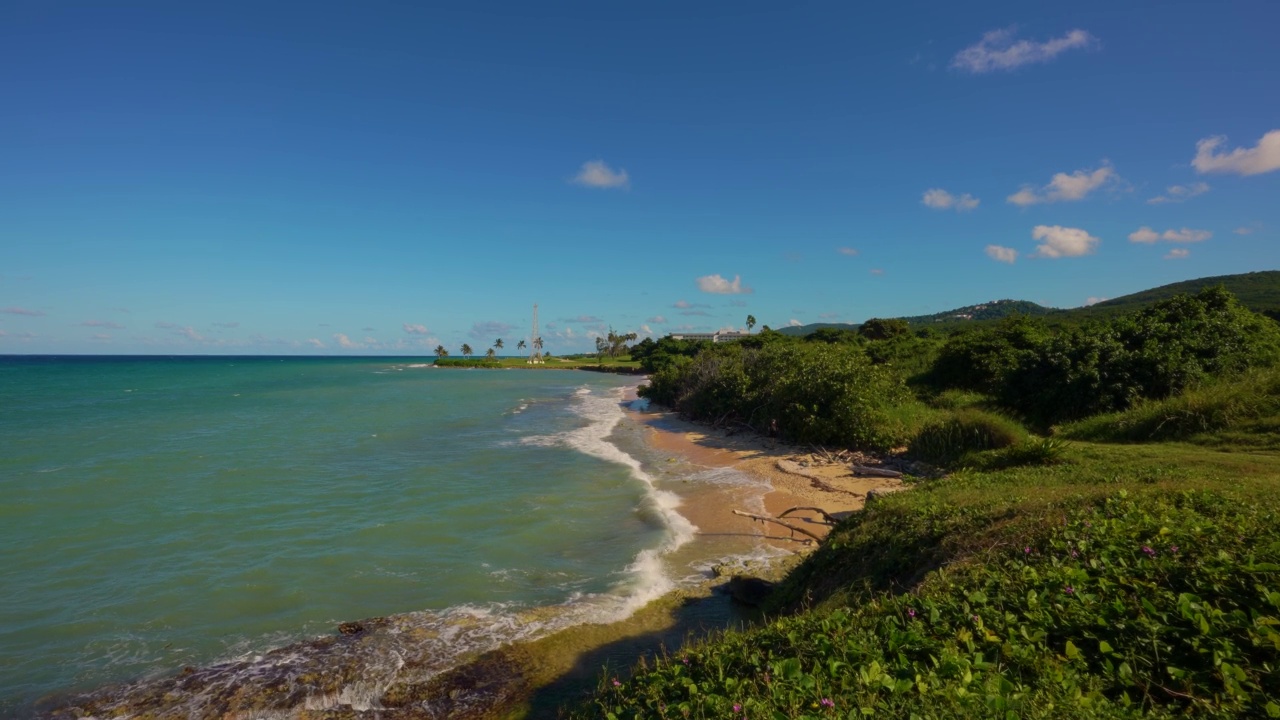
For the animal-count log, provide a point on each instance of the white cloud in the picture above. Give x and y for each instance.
(1060, 242)
(1177, 254)
(940, 199)
(1261, 158)
(1179, 193)
(998, 50)
(877, 271)
(685, 304)
(415, 329)
(646, 330)
(720, 286)
(1186, 235)
(794, 323)
(97, 336)
(1248, 229)
(847, 251)
(189, 333)
(1002, 254)
(581, 319)
(345, 342)
(658, 320)
(1064, 187)
(102, 324)
(315, 342)
(1094, 301)
(22, 311)
(488, 331)
(596, 174)
(1146, 235)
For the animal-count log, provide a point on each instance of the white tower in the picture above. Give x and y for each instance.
(535, 341)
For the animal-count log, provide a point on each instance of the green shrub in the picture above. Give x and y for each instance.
(965, 431)
(800, 392)
(1048, 377)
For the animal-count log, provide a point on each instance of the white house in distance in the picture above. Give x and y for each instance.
(715, 337)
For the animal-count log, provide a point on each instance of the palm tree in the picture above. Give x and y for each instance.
(751, 322)
(537, 343)
(441, 352)
(466, 350)
(497, 344)
(489, 353)
(520, 345)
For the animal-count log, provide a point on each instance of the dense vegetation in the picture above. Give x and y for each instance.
(1081, 572)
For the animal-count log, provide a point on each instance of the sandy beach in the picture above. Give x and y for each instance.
(799, 477)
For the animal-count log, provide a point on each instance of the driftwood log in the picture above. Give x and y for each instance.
(875, 471)
(825, 516)
(776, 521)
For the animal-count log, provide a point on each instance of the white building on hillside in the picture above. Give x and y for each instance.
(715, 337)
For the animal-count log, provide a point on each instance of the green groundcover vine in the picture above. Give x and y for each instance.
(1152, 605)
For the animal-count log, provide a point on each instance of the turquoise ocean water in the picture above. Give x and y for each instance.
(157, 513)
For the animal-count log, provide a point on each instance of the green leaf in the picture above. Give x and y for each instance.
(1104, 647)
(1273, 710)
(1073, 652)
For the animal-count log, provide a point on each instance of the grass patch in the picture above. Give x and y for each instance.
(1241, 410)
(962, 432)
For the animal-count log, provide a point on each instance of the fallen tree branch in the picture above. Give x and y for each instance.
(776, 521)
(830, 520)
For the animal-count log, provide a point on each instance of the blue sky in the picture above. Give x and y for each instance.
(377, 178)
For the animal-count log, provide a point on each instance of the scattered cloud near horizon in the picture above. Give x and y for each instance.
(1179, 193)
(102, 324)
(1000, 50)
(701, 313)
(596, 174)
(1002, 254)
(227, 325)
(794, 323)
(847, 251)
(1146, 235)
(657, 320)
(1261, 158)
(1248, 229)
(1059, 242)
(1095, 301)
(488, 331)
(1177, 254)
(1064, 187)
(315, 342)
(415, 329)
(583, 319)
(345, 342)
(940, 199)
(22, 311)
(685, 304)
(877, 271)
(719, 286)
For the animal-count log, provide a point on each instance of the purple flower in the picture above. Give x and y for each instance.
(975, 618)
(1173, 549)
(1070, 590)
(911, 612)
(1027, 550)
(1075, 554)
(1147, 549)
(826, 702)
(684, 660)
(737, 708)
(616, 683)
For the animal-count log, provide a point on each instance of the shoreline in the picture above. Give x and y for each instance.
(531, 675)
